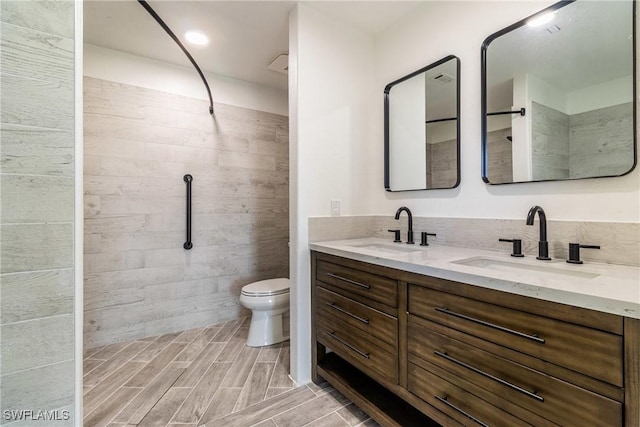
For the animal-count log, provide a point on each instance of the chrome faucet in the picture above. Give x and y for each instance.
(543, 245)
(410, 231)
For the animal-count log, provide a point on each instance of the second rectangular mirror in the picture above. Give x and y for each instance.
(421, 115)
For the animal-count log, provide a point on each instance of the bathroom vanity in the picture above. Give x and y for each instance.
(455, 336)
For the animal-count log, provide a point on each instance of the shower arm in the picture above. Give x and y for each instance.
(159, 20)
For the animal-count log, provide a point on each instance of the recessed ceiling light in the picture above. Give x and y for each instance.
(197, 38)
(541, 20)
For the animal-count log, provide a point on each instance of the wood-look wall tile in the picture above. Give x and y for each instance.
(39, 103)
(246, 161)
(54, 17)
(129, 260)
(32, 295)
(36, 151)
(32, 247)
(131, 167)
(46, 387)
(37, 55)
(36, 199)
(38, 342)
(97, 145)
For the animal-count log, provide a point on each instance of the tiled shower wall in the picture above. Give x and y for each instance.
(37, 212)
(139, 143)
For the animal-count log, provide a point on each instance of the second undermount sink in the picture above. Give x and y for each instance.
(551, 270)
(390, 248)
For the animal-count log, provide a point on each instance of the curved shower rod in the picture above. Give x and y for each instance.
(159, 20)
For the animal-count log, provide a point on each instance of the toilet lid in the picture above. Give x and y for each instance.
(266, 288)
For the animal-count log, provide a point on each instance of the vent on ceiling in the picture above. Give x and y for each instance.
(443, 78)
(280, 63)
(553, 29)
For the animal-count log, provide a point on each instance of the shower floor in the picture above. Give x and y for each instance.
(205, 376)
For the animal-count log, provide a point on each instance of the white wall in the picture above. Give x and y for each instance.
(108, 64)
(459, 28)
(330, 87)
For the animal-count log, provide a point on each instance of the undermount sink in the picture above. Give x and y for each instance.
(549, 270)
(391, 248)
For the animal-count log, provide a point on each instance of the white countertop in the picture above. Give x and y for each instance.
(604, 287)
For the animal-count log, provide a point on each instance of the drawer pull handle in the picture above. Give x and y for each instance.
(491, 325)
(500, 380)
(342, 310)
(454, 407)
(337, 338)
(353, 282)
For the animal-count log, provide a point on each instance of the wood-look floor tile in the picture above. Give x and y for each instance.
(231, 350)
(108, 351)
(241, 367)
(88, 352)
(330, 420)
(109, 366)
(265, 409)
(273, 392)
(352, 414)
(320, 389)
(280, 376)
(311, 410)
(111, 407)
(227, 331)
(162, 412)
(223, 403)
(100, 392)
(135, 411)
(369, 423)
(194, 348)
(269, 353)
(211, 332)
(156, 347)
(266, 423)
(200, 397)
(189, 335)
(255, 388)
(200, 365)
(89, 364)
(146, 375)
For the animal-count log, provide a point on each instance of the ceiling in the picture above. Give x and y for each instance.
(245, 36)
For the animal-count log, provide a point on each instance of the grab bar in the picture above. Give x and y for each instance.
(188, 179)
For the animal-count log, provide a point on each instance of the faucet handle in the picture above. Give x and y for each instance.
(574, 252)
(424, 236)
(396, 235)
(517, 247)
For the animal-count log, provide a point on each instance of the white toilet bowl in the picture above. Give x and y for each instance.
(268, 300)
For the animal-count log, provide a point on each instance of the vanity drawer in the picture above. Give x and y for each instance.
(373, 322)
(458, 403)
(556, 400)
(588, 351)
(358, 284)
(362, 350)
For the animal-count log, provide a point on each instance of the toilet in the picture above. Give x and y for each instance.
(268, 301)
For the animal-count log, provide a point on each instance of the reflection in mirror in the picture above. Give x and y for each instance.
(558, 94)
(422, 149)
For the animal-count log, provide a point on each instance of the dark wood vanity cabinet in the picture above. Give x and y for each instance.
(416, 350)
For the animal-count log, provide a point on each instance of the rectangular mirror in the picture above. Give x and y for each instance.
(421, 128)
(558, 94)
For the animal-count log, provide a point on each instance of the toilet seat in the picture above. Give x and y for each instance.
(266, 288)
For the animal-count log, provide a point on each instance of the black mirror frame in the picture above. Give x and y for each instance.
(483, 88)
(387, 89)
